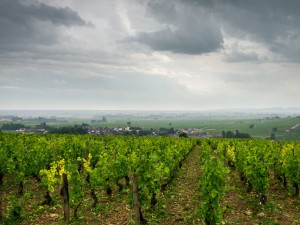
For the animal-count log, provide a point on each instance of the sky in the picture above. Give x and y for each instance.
(149, 54)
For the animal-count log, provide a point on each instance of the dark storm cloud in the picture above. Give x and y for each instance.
(264, 20)
(24, 23)
(51, 57)
(184, 30)
(274, 23)
(193, 26)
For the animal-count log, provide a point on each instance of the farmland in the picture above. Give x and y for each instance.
(258, 125)
(177, 181)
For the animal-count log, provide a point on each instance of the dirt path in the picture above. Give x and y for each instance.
(182, 198)
(294, 127)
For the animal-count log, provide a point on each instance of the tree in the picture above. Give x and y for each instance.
(244, 135)
(229, 134)
(273, 137)
(223, 134)
(183, 135)
(85, 125)
(12, 126)
(274, 129)
(104, 120)
(42, 125)
(172, 131)
(237, 134)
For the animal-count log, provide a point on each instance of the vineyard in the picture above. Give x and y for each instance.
(89, 179)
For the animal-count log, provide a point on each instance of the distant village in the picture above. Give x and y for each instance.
(129, 125)
(40, 125)
(16, 125)
(122, 131)
(137, 131)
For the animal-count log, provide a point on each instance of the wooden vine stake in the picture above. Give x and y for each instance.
(1, 179)
(65, 194)
(1, 215)
(136, 204)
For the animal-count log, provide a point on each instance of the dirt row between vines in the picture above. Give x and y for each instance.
(182, 200)
(182, 196)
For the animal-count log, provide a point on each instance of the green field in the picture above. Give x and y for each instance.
(262, 126)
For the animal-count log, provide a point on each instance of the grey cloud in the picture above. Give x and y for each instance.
(274, 23)
(202, 3)
(288, 47)
(126, 89)
(50, 57)
(164, 12)
(27, 23)
(193, 26)
(19, 12)
(265, 20)
(186, 31)
(242, 57)
(180, 42)
(238, 56)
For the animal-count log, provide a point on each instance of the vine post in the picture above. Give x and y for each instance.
(65, 195)
(1, 178)
(1, 215)
(136, 204)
